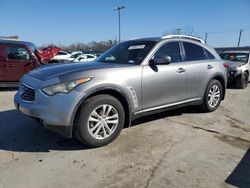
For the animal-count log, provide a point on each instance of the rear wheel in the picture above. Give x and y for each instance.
(100, 120)
(212, 97)
(242, 81)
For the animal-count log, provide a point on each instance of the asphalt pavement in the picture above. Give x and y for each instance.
(179, 148)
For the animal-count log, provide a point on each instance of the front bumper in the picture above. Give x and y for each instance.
(55, 112)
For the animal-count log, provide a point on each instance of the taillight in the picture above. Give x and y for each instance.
(226, 65)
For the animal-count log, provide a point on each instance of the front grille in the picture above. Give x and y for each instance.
(27, 93)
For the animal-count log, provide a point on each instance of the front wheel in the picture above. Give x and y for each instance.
(212, 97)
(99, 121)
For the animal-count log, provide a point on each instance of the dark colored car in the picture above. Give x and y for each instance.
(18, 58)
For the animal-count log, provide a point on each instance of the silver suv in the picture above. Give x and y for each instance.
(134, 78)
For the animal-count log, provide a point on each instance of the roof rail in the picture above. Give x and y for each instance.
(184, 37)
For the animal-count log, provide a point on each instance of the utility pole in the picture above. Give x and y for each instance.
(119, 19)
(206, 38)
(239, 37)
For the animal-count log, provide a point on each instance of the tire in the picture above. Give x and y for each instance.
(95, 128)
(212, 96)
(242, 81)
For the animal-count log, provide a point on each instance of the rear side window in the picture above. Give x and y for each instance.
(89, 56)
(17, 53)
(74, 56)
(82, 57)
(209, 55)
(171, 49)
(194, 52)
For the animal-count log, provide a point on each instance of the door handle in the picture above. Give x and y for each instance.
(209, 66)
(181, 70)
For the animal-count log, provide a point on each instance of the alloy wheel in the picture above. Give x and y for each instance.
(213, 96)
(103, 121)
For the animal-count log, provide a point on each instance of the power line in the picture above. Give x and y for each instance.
(227, 31)
(241, 32)
(218, 32)
(245, 29)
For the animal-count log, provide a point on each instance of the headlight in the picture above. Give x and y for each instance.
(65, 87)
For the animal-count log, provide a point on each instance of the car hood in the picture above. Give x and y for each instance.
(46, 54)
(58, 69)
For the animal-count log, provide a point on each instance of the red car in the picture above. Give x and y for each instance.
(19, 57)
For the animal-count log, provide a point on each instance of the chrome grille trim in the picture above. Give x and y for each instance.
(26, 93)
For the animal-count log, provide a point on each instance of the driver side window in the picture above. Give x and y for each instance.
(17, 53)
(170, 49)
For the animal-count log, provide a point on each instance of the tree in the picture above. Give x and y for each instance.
(181, 31)
(90, 47)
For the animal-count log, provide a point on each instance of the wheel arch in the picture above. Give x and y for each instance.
(117, 93)
(221, 79)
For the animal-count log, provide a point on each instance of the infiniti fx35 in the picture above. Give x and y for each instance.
(95, 100)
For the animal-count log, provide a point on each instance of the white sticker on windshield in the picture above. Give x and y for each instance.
(136, 47)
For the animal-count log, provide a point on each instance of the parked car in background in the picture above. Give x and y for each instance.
(46, 54)
(96, 100)
(85, 58)
(61, 56)
(74, 55)
(19, 57)
(238, 64)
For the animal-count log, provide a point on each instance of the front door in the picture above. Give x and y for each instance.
(164, 84)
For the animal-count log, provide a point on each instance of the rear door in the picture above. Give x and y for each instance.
(17, 61)
(199, 64)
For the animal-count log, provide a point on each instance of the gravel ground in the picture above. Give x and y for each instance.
(180, 148)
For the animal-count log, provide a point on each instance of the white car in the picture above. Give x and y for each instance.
(61, 56)
(74, 55)
(85, 58)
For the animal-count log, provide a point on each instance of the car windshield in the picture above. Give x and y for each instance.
(33, 47)
(130, 52)
(239, 57)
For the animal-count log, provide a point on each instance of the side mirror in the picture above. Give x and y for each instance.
(162, 60)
